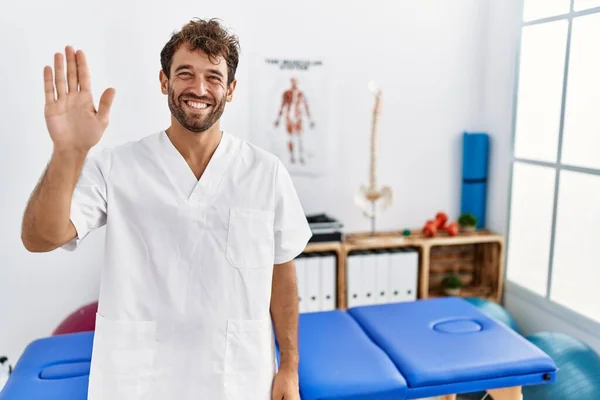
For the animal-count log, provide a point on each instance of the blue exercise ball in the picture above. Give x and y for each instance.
(495, 311)
(578, 376)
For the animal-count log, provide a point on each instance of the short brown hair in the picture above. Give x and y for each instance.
(209, 37)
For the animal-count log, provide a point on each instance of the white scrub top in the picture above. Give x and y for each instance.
(184, 307)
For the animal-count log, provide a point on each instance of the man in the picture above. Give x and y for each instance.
(294, 103)
(201, 232)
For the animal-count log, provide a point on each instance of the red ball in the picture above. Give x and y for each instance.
(81, 320)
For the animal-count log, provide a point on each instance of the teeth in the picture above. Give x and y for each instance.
(197, 105)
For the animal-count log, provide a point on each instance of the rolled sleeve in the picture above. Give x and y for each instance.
(89, 202)
(292, 231)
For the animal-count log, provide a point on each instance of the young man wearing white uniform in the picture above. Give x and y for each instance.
(201, 232)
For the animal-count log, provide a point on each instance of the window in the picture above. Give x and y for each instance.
(554, 211)
(541, 76)
(586, 4)
(538, 9)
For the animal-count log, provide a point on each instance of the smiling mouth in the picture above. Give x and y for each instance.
(196, 105)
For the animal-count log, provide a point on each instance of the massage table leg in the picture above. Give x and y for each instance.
(511, 393)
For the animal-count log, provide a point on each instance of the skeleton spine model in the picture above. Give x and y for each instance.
(371, 199)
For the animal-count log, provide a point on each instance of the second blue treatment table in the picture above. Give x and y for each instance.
(52, 368)
(437, 347)
(399, 351)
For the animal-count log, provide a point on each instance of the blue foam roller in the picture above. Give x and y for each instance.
(475, 156)
(473, 201)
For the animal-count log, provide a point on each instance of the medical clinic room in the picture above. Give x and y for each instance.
(307, 200)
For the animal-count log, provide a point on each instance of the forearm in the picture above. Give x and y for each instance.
(46, 222)
(284, 312)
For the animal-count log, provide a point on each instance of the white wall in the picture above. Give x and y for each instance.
(428, 56)
(501, 49)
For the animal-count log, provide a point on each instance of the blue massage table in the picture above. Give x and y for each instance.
(54, 368)
(435, 347)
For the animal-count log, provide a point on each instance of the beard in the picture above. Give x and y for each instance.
(195, 122)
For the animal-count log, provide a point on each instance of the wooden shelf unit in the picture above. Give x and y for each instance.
(478, 257)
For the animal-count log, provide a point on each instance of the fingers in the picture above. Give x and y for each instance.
(83, 72)
(48, 85)
(59, 75)
(71, 69)
(77, 75)
(105, 103)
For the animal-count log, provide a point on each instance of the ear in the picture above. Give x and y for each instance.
(164, 82)
(231, 89)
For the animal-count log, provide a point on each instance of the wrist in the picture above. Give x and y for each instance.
(289, 363)
(70, 152)
(288, 371)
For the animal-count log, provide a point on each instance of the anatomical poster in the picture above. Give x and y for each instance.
(288, 109)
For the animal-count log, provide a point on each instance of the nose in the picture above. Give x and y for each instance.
(201, 87)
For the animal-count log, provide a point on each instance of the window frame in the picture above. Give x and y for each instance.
(545, 302)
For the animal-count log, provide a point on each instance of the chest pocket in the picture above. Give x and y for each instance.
(250, 239)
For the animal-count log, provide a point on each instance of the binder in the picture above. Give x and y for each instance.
(354, 272)
(312, 274)
(395, 265)
(404, 269)
(410, 275)
(328, 288)
(382, 273)
(301, 277)
(369, 277)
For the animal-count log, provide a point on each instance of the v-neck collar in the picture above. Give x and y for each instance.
(183, 177)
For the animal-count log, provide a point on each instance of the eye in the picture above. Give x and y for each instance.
(215, 78)
(185, 74)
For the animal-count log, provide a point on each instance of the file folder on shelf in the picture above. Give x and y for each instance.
(404, 268)
(301, 278)
(382, 266)
(328, 287)
(312, 276)
(354, 276)
(317, 284)
(382, 276)
(369, 277)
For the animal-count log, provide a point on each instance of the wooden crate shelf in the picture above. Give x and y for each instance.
(470, 291)
(477, 257)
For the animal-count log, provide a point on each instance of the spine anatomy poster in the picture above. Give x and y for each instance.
(288, 109)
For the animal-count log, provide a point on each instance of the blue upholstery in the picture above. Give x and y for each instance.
(447, 345)
(54, 368)
(386, 352)
(338, 361)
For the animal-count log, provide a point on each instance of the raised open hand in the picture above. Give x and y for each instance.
(72, 120)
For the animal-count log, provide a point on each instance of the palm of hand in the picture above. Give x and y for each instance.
(75, 114)
(71, 117)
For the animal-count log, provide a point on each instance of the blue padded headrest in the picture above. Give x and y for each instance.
(66, 370)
